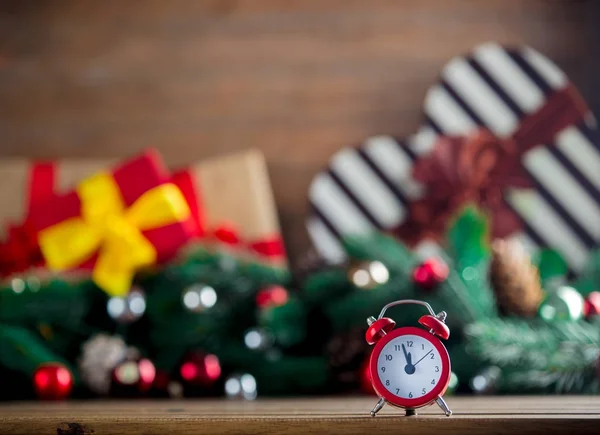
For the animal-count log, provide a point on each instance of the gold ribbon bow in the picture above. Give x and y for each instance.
(108, 227)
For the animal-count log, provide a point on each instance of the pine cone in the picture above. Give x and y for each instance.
(515, 279)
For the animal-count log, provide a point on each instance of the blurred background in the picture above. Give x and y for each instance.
(256, 97)
(297, 80)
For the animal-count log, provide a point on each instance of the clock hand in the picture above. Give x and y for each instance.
(409, 368)
(406, 354)
(422, 358)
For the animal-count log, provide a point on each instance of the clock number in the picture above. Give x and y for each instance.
(397, 390)
(422, 346)
(410, 395)
(432, 356)
(382, 369)
(409, 344)
(397, 347)
(437, 369)
(423, 391)
(388, 357)
(433, 382)
(387, 383)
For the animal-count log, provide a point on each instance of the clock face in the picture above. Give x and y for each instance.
(410, 366)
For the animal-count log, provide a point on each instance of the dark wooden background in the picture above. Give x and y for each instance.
(297, 79)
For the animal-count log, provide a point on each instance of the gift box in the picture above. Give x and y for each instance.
(232, 204)
(503, 128)
(27, 185)
(115, 223)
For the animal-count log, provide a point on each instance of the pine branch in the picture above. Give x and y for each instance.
(379, 246)
(516, 344)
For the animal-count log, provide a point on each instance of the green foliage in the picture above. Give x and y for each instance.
(23, 351)
(589, 279)
(56, 302)
(378, 246)
(353, 309)
(468, 238)
(326, 285)
(550, 265)
(287, 322)
(536, 356)
(51, 322)
(466, 297)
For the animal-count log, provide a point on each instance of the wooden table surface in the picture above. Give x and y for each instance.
(490, 415)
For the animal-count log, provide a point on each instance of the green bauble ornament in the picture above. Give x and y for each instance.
(452, 384)
(565, 303)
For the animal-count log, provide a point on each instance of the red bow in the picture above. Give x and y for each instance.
(478, 167)
(20, 250)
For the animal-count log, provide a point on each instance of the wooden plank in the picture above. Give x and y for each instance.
(498, 415)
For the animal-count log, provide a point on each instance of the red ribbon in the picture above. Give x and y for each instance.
(478, 167)
(271, 248)
(20, 250)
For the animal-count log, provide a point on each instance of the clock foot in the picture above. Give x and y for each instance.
(378, 407)
(442, 404)
(410, 412)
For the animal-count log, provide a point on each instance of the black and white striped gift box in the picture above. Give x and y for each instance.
(369, 187)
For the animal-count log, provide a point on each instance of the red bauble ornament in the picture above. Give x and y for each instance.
(366, 386)
(591, 305)
(133, 377)
(200, 370)
(430, 273)
(161, 380)
(273, 296)
(52, 381)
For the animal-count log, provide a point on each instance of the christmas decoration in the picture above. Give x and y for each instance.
(199, 302)
(24, 352)
(257, 339)
(400, 382)
(591, 307)
(52, 381)
(504, 129)
(365, 380)
(129, 308)
(368, 275)
(133, 377)
(271, 296)
(535, 356)
(31, 185)
(100, 355)
(430, 273)
(565, 303)
(107, 365)
(515, 280)
(200, 369)
(241, 386)
(130, 218)
(198, 297)
(453, 384)
(486, 381)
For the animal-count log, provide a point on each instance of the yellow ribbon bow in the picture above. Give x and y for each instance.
(108, 227)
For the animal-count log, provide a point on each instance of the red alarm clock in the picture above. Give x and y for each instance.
(409, 366)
